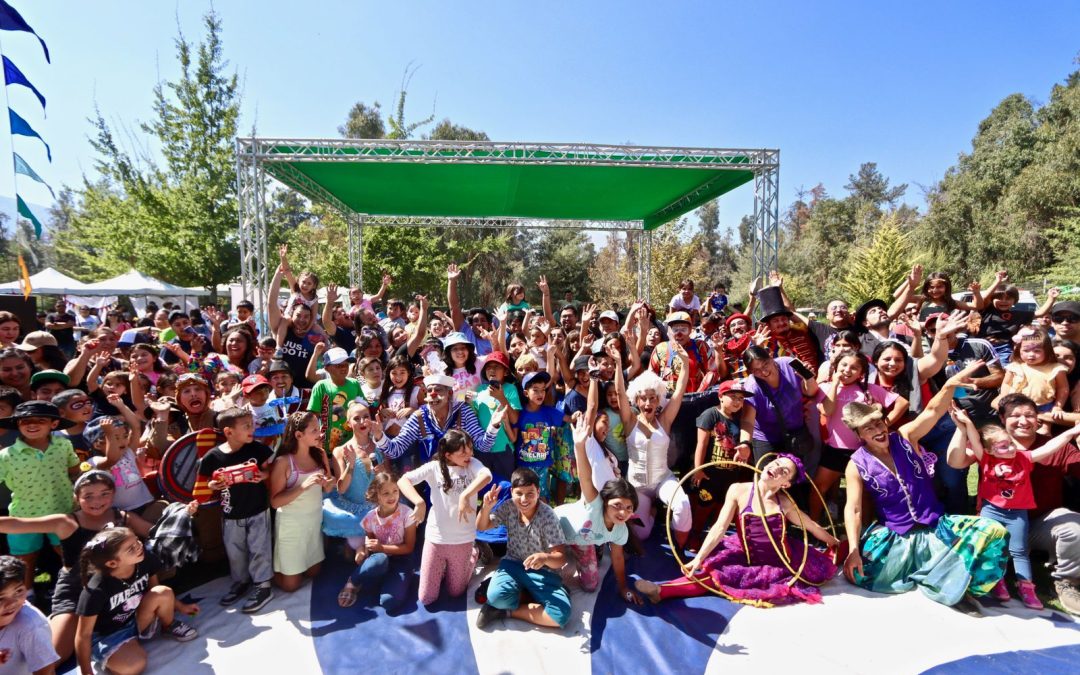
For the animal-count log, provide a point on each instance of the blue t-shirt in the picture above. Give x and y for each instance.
(573, 402)
(536, 436)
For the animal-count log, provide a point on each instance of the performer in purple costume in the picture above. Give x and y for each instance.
(748, 568)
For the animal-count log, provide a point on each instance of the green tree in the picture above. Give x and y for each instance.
(364, 121)
(174, 219)
(876, 268)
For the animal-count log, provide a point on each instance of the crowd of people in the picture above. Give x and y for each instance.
(423, 442)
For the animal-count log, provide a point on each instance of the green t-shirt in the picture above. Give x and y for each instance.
(331, 402)
(166, 335)
(39, 481)
(486, 404)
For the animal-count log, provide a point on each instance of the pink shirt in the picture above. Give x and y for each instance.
(389, 530)
(838, 435)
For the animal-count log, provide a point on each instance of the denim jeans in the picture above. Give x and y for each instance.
(1016, 522)
(390, 577)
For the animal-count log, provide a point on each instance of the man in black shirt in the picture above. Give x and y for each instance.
(61, 324)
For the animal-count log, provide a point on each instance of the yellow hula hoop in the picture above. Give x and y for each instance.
(781, 553)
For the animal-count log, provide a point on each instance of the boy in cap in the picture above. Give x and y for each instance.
(38, 468)
(330, 397)
(45, 384)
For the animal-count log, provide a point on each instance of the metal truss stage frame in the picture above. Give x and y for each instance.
(260, 159)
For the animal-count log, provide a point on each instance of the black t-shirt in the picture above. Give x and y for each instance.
(114, 601)
(975, 402)
(65, 337)
(344, 338)
(1001, 326)
(242, 500)
(173, 359)
(296, 351)
(725, 433)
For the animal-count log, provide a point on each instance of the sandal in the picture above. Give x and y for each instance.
(347, 597)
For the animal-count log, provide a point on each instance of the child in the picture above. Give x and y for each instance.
(515, 300)
(330, 396)
(1000, 320)
(94, 492)
(1005, 489)
(686, 301)
(1035, 373)
(244, 508)
(400, 395)
(534, 552)
(264, 355)
(115, 382)
(145, 358)
(843, 342)
(25, 638)
(77, 408)
(747, 568)
(121, 601)
(538, 427)
(269, 419)
(304, 289)
(370, 373)
(38, 469)
(228, 387)
(718, 440)
(500, 392)
(454, 478)
(718, 299)
(355, 465)
(848, 383)
(384, 562)
(298, 477)
(111, 438)
(460, 357)
(599, 517)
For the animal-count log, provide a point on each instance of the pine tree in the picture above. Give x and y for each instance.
(876, 268)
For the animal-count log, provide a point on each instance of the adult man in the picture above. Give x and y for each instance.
(61, 324)
(1053, 528)
(295, 341)
(985, 381)
(337, 322)
(86, 322)
(788, 334)
(664, 363)
(479, 320)
(1066, 319)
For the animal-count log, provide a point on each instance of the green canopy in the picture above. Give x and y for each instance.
(650, 186)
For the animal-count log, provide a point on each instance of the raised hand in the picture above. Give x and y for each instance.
(775, 279)
(956, 321)
(762, 335)
(963, 378)
(491, 497)
(542, 284)
(915, 278)
(681, 353)
(589, 313)
(331, 293)
(1002, 276)
(1053, 293)
(452, 271)
(581, 428)
(975, 286)
(387, 279)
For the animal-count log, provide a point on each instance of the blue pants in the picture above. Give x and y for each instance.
(954, 481)
(544, 585)
(390, 577)
(1016, 523)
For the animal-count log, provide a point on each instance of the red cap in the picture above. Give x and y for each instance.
(737, 386)
(499, 358)
(253, 382)
(935, 317)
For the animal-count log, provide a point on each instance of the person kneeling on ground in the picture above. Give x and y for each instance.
(534, 553)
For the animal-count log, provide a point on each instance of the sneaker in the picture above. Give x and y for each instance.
(1027, 595)
(1001, 591)
(236, 591)
(1068, 595)
(181, 631)
(481, 592)
(257, 600)
(488, 614)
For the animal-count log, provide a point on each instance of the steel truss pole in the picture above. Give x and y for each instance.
(766, 233)
(646, 235)
(250, 190)
(356, 249)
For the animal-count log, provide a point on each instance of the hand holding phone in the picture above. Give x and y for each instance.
(802, 369)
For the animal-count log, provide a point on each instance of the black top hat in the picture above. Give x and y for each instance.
(863, 310)
(28, 409)
(771, 301)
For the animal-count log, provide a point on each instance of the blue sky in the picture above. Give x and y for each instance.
(832, 84)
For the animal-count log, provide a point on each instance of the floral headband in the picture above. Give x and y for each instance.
(800, 470)
(1024, 333)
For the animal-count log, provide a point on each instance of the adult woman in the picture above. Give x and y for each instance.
(772, 414)
(240, 347)
(648, 435)
(15, 371)
(913, 543)
(9, 330)
(1068, 352)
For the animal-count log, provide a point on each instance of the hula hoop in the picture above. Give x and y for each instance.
(797, 574)
(782, 554)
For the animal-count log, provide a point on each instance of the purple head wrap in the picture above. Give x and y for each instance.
(800, 470)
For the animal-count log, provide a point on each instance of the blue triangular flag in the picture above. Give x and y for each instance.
(21, 127)
(25, 212)
(12, 20)
(22, 167)
(12, 75)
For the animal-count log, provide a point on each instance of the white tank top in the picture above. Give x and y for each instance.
(648, 465)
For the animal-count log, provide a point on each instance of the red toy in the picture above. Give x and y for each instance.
(248, 472)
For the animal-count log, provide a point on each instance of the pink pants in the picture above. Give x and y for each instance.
(454, 562)
(584, 563)
(685, 588)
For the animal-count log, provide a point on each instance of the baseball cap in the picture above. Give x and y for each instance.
(533, 378)
(737, 386)
(253, 382)
(335, 356)
(610, 315)
(677, 317)
(37, 339)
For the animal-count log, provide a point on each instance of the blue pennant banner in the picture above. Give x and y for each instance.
(22, 167)
(12, 75)
(22, 128)
(12, 20)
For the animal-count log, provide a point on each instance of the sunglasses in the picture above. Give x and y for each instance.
(79, 405)
(1067, 318)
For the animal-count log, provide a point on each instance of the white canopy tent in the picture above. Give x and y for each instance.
(46, 282)
(140, 287)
